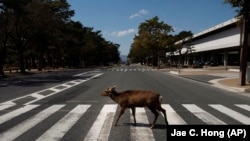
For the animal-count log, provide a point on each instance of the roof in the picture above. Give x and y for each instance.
(212, 29)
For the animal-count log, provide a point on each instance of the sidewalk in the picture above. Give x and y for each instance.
(221, 77)
(15, 73)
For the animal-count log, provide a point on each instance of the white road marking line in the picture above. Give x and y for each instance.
(141, 132)
(57, 131)
(59, 90)
(203, 115)
(54, 90)
(37, 96)
(24, 126)
(82, 73)
(72, 83)
(97, 132)
(172, 117)
(233, 114)
(66, 86)
(5, 106)
(78, 81)
(16, 112)
(9, 102)
(94, 76)
(243, 106)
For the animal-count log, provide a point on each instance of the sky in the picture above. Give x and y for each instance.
(118, 20)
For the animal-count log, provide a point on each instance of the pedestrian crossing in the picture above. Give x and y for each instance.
(145, 133)
(236, 115)
(101, 128)
(104, 119)
(58, 130)
(129, 69)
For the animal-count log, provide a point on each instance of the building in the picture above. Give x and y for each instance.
(218, 45)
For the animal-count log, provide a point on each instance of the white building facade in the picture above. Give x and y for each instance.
(220, 44)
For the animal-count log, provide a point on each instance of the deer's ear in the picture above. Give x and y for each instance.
(113, 88)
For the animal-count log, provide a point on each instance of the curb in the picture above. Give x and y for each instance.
(175, 72)
(235, 89)
(215, 82)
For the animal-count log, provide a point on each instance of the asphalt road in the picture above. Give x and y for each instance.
(68, 106)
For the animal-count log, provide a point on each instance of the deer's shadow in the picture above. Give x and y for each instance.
(144, 125)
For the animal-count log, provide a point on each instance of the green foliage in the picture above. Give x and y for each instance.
(238, 4)
(152, 41)
(235, 3)
(42, 33)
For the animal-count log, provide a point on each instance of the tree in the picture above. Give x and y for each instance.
(243, 11)
(44, 24)
(98, 51)
(36, 23)
(111, 53)
(6, 26)
(19, 32)
(154, 37)
(42, 34)
(138, 52)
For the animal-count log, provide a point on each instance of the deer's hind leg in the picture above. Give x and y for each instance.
(153, 110)
(164, 113)
(133, 112)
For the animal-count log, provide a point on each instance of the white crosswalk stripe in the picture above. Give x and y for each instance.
(5, 106)
(233, 114)
(62, 126)
(101, 128)
(172, 116)
(203, 115)
(141, 133)
(19, 129)
(97, 133)
(17, 112)
(244, 106)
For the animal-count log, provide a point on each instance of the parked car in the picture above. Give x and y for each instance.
(198, 64)
(211, 63)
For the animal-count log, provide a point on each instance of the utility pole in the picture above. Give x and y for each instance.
(244, 43)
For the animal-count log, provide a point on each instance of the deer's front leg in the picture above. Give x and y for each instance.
(121, 112)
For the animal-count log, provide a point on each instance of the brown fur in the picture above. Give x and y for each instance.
(136, 98)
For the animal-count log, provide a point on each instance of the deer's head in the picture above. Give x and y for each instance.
(108, 91)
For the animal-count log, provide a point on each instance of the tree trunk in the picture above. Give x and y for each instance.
(1, 67)
(2, 57)
(21, 57)
(22, 66)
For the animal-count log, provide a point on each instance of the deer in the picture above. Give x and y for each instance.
(136, 98)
